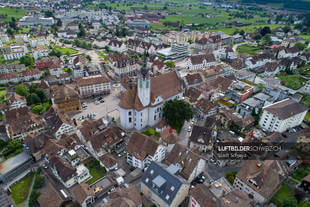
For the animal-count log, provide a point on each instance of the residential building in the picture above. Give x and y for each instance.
(142, 150)
(66, 99)
(239, 91)
(282, 115)
(82, 173)
(201, 196)
(141, 105)
(93, 86)
(163, 186)
(190, 164)
(80, 63)
(16, 101)
(9, 78)
(201, 138)
(143, 23)
(13, 67)
(4, 38)
(52, 63)
(15, 52)
(63, 171)
(20, 123)
(58, 123)
(34, 144)
(29, 75)
(35, 21)
(40, 51)
(84, 194)
(124, 196)
(108, 161)
(36, 42)
(117, 46)
(122, 65)
(51, 197)
(199, 62)
(260, 179)
(258, 60)
(228, 117)
(22, 37)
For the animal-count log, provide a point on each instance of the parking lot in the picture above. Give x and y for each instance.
(100, 110)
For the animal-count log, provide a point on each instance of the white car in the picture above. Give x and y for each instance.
(97, 102)
(189, 129)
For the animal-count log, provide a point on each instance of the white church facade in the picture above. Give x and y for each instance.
(142, 104)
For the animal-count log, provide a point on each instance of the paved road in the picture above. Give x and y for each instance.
(184, 134)
(216, 172)
(30, 191)
(237, 45)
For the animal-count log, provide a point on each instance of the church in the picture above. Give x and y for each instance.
(142, 104)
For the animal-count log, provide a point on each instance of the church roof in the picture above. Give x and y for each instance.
(165, 85)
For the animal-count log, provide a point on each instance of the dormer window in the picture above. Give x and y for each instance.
(172, 188)
(152, 171)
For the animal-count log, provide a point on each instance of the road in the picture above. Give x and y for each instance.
(184, 134)
(237, 45)
(216, 172)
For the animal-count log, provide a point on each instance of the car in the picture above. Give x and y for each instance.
(212, 160)
(102, 100)
(189, 129)
(120, 155)
(97, 102)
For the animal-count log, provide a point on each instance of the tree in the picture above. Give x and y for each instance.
(37, 109)
(286, 29)
(41, 94)
(34, 99)
(26, 60)
(170, 64)
(265, 30)
(82, 32)
(175, 112)
(22, 90)
(48, 14)
(59, 23)
(291, 202)
(300, 46)
(257, 37)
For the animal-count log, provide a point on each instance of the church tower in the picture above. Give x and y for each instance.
(144, 86)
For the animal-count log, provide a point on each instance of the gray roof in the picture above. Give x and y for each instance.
(5, 201)
(160, 180)
(262, 96)
(14, 162)
(252, 102)
(286, 108)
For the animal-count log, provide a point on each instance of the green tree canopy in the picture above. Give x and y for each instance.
(27, 60)
(22, 90)
(170, 64)
(176, 112)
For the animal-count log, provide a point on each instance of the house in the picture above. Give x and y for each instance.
(84, 195)
(58, 123)
(260, 179)
(271, 69)
(141, 47)
(66, 99)
(80, 63)
(15, 52)
(163, 186)
(192, 95)
(201, 196)
(9, 78)
(282, 115)
(20, 123)
(117, 46)
(82, 173)
(37, 42)
(29, 75)
(158, 67)
(205, 108)
(190, 163)
(74, 25)
(199, 62)
(236, 64)
(93, 86)
(229, 118)
(122, 65)
(101, 140)
(214, 42)
(67, 34)
(258, 60)
(108, 161)
(16, 101)
(141, 105)
(51, 197)
(142, 150)
(227, 53)
(305, 184)
(239, 91)
(193, 80)
(127, 196)
(4, 38)
(236, 198)
(201, 138)
(35, 144)
(53, 64)
(40, 51)
(63, 171)
(12, 67)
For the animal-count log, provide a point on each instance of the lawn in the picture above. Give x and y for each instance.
(284, 193)
(66, 50)
(21, 189)
(103, 56)
(151, 132)
(16, 13)
(248, 50)
(96, 171)
(293, 81)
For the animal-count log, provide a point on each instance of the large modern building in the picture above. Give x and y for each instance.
(141, 105)
(14, 167)
(174, 52)
(34, 21)
(282, 115)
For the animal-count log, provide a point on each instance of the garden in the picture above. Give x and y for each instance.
(21, 189)
(96, 171)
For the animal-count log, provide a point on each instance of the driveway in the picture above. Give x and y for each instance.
(184, 134)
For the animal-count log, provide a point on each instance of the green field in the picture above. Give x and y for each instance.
(66, 50)
(16, 13)
(292, 81)
(248, 50)
(285, 192)
(21, 189)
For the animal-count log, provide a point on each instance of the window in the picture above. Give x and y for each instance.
(129, 119)
(155, 117)
(129, 113)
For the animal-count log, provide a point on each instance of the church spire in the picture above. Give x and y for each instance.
(144, 70)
